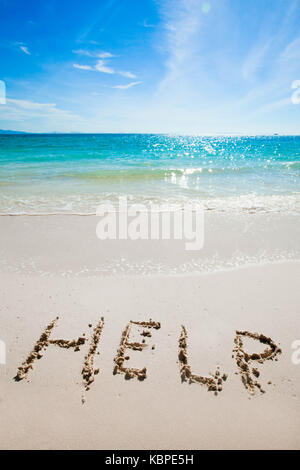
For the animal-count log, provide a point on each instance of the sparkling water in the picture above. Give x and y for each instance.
(73, 173)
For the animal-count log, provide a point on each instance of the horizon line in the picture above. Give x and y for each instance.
(221, 134)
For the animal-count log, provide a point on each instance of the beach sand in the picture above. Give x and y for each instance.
(55, 267)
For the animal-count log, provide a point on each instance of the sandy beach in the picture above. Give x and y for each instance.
(51, 408)
(149, 228)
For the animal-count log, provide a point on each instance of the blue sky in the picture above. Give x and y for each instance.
(182, 66)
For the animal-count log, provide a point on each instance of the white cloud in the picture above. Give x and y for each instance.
(25, 50)
(83, 52)
(105, 55)
(125, 87)
(101, 64)
(100, 54)
(127, 74)
(82, 67)
(101, 67)
(31, 105)
(24, 109)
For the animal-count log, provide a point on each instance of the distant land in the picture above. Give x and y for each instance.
(12, 132)
(225, 134)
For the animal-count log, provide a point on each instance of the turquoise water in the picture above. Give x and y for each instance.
(74, 173)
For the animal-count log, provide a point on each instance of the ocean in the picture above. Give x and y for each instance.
(73, 173)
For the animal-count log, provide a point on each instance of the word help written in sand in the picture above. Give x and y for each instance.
(245, 361)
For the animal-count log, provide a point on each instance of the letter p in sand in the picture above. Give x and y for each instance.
(244, 360)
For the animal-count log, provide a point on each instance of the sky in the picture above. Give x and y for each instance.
(154, 66)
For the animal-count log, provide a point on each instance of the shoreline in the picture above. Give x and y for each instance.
(59, 244)
(164, 275)
(243, 204)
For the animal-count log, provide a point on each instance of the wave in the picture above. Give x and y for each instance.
(168, 173)
(86, 204)
(291, 165)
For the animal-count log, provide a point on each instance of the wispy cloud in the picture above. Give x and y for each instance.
(105, 55)
(82, 67)
(127, 74)
(182, 20)
(25, 50)
(31, 105)
(21, 46)
(100, 54)
(148, 25)
(292, 50)
(276, 105)
(101, 67)
(125, 87)
(48, 114)
(83, 52)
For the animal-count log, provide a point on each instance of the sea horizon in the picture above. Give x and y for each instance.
(192, 134)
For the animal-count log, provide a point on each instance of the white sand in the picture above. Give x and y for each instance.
(45, 411)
